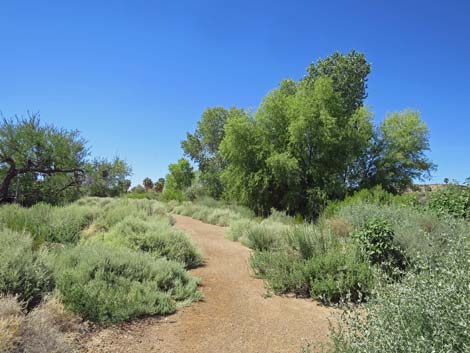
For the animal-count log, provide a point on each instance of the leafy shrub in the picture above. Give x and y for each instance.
(374, 196)
(48, 328)
(377, 240)
(283, 272)
(417, 231)
(107, 284)
(22, 272)
(451, 199)
(426, 312)
(338, 275)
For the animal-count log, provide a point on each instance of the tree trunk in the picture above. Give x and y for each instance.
(5, 185)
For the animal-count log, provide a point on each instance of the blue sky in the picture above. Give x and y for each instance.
(134, 76)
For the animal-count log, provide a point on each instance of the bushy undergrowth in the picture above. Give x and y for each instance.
(108, 284)
(451, 200)
(22, 271)
(211, 211)
(315, 263)
(118, 258)
(426, 312)
(47, 328)
(153, 236)
(49, 223)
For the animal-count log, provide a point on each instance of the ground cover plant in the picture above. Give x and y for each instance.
(107, 260)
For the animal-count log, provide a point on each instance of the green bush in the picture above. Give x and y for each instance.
(426, 312)
(283, 272)
(154, 236)
(108, 284)
(48, 223)
(22, 271)
(264, 236)
(338, 275)
(377, 240)
(451, 199)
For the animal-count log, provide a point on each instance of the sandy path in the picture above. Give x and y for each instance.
(234, 316)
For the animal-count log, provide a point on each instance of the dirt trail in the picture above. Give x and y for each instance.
(234, 316)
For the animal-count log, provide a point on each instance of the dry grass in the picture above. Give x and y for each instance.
(46, 329)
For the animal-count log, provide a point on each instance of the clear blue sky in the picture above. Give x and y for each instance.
(133, 76)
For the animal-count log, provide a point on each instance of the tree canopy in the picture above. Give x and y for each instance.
(40, 162)
(310, 141)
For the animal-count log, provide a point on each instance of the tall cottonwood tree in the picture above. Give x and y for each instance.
(203, 147)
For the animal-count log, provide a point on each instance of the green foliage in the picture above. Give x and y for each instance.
(39, 162)
(107, 178)
(22, 271)
(377, 240)
(203, 147)
(109, 284)
(426, 312)
(211, 211)
(48, 223)
(337, 275)
(153, 236)
(181, 175)
(452, 199)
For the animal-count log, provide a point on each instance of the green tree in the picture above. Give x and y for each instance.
(349, 74)
(107, 178)
(181, 175)
(396, 155)
(148, 184)
(39, 162)
(203, 147)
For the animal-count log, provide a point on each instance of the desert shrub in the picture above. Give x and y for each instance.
(48, 223)
(339, 226)
(283, 272)
(377, 241)
(22, 272)
(112, 284)
(451, 199)
(264, 236)
(309, 240)
(156, 237)
(338, 275)
(426, 312)
(417, 231)
(239, 229)
(281, 217)
(48, 328)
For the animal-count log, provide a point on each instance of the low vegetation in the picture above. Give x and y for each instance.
(47, 328)
(107, 260)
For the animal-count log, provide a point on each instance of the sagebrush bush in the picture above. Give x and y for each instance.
(264, 236)
(112, 284)
(426, 312)
(154, 236)
(48, 223)
(338, 275)
(240, 228)
(22, 271)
